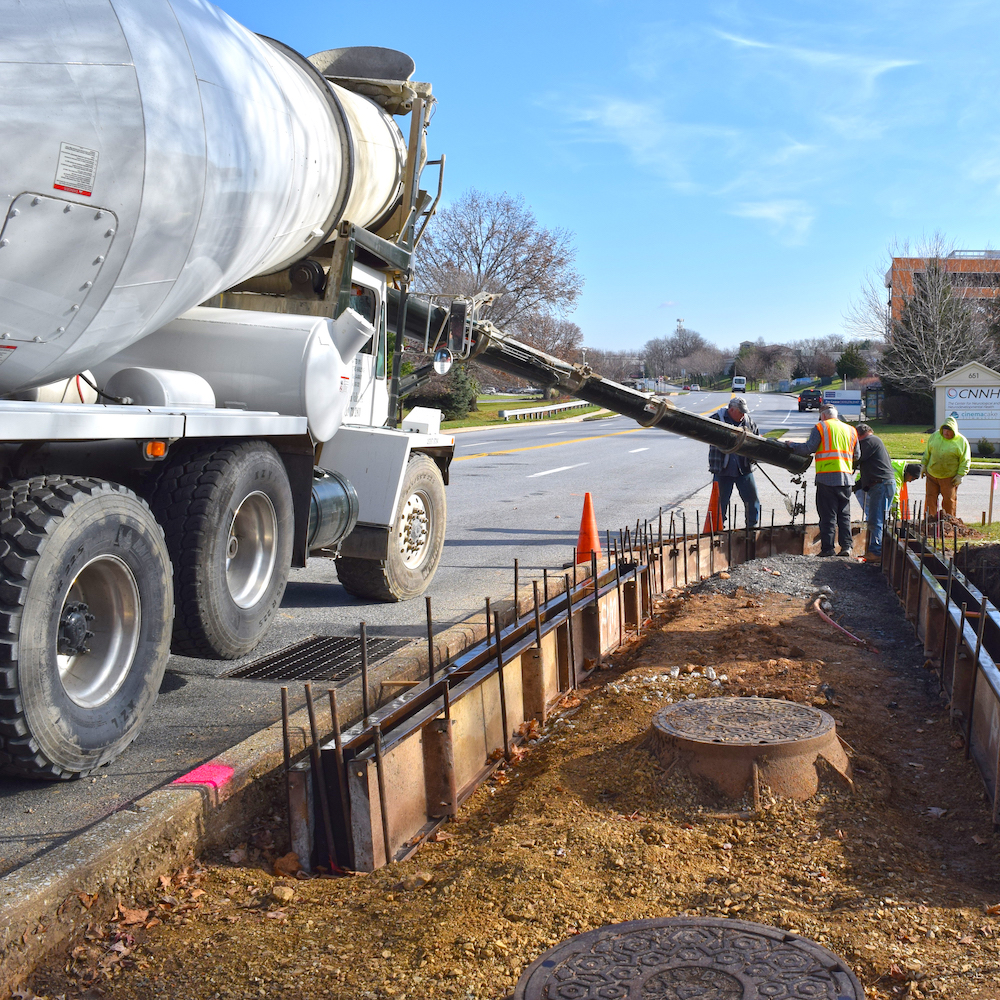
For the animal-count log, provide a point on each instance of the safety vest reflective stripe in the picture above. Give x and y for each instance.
(837, 442)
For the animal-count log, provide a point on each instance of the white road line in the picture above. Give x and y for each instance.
(476, 444)
(636, 450)
(562, 468)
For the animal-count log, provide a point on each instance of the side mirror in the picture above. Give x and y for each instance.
(442, 361)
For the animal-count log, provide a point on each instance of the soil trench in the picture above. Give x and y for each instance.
(586, 828)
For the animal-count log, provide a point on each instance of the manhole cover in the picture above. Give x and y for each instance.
(741, 742)
(687, 958)
(318, 658)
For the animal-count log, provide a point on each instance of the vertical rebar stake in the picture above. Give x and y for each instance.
(607, 544)
(517, 600)
(287, 746)
(365, 699)
(570, 638)
(489, 622)
(338, 743)
(430, 643)
(538, 617)
(503, 691)
(320, 779)
(663, 583)
(383, 806)
(545, 585)
(975, 675)
(684, 529)
(593, 572)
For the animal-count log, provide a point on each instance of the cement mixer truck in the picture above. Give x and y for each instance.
(207, 245)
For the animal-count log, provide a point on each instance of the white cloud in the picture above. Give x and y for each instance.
(788, 219)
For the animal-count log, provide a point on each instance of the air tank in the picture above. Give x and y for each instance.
(155, 153)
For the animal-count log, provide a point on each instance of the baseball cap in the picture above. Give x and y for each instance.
(738, 403)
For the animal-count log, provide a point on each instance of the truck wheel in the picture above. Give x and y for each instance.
(415, 541)
(227, 513)
(85, 612)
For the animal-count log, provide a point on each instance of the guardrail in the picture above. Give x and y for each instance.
(539, 412)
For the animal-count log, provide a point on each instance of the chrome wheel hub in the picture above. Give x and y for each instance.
(251, 550)
(98, 631)
(414, 529)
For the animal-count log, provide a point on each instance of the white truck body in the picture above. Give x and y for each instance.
(185, 203)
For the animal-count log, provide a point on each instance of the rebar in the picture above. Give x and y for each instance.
(383, 805)
(538, 617)
(503, 691)
(320, 779)
(365, 699)
(430, 641)
(571, 642)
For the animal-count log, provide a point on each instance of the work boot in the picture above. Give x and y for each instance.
(826, 553)
(844, 552)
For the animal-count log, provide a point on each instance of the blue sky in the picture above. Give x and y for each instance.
(739, 165)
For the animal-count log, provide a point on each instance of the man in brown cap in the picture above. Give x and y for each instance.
(735, 470)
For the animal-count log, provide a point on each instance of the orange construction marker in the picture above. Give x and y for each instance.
(589, 540)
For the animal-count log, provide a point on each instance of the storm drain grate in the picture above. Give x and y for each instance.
(318, 658)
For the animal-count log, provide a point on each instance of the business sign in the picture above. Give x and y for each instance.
(847, 401)
(973, 404)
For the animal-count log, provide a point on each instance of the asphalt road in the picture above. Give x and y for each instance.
(516, 492)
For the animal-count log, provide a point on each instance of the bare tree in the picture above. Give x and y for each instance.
(658, 356)
(938, 331)
(548, 333)
(494, 244)
(615, 365)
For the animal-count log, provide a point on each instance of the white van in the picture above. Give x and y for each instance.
(739, 383)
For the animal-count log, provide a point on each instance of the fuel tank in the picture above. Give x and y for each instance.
(155, 153)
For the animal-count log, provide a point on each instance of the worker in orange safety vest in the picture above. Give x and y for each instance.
(835, 445)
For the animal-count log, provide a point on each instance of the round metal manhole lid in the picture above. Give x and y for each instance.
(743, 721)
(688, 958)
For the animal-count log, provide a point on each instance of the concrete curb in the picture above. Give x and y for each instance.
(122, 856)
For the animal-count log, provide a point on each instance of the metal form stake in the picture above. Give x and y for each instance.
(338, 742)
(975, 675)
(947, 621)
(673, 550)
(383, 808)
(538, 617)
(569, 630)
(685, 530)
(365, 700)
(593, 573)
(430, 643)
(621, 608)
(663, 585)
(489, 622)
(503, 692)
(770, 541)
(517, 602)
(320, 779)
(545, 584)
(574, 569)
(287, 746)
(959, 635)
(697, 546)
(607, 544)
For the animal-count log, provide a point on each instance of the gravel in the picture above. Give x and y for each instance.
(862, 601)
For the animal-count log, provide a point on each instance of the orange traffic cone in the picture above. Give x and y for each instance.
(713, 520)
(589, 540)
(904, 503)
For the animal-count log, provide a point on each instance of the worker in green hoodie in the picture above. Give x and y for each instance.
(946, 461)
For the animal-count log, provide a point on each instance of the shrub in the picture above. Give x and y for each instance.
(985, 448)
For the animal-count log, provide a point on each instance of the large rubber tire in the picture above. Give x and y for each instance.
(225, 602)
(71, 548)
(416, 540)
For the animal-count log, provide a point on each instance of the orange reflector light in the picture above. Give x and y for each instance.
(156, 449)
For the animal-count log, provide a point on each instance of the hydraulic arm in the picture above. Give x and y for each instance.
(490, 347)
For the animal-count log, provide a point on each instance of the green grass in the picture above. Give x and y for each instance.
(776, 433)
(490, 407)
(909, 442)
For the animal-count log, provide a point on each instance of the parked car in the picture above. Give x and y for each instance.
(695, 387)
(490, 390)
(810, 399)
(687, 388)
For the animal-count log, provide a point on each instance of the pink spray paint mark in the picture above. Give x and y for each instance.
(214, 775)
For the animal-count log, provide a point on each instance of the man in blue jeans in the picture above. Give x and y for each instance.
(735, 470)
(878, 482)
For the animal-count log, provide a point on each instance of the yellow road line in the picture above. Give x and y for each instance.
(551, 444)
(556, 444)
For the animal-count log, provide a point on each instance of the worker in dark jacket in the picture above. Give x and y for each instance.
(735, 470)
(877, 482)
